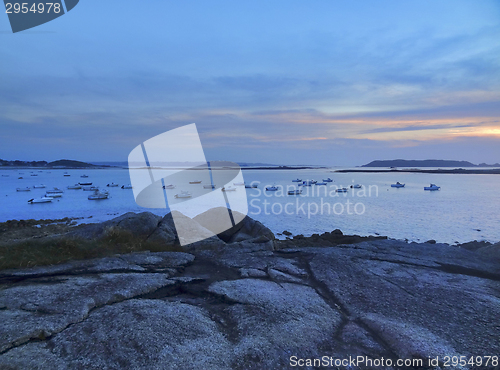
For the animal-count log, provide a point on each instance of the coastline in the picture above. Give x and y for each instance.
(494, 171)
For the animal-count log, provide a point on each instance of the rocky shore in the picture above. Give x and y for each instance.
(244, 300)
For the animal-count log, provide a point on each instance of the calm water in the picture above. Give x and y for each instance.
(466, 207)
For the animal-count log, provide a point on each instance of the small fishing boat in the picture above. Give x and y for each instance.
(397, 185)
(183, 194)
(195, 182)
(85, 183)
(89, 188)
(98, 195)
(41, 186)
(251, 186)
(432, 187)
(272, 188)
(23, 189)
(229, 188)
(127, 186)
(84, 176)
(53, 195)
(294, 192)
(112, 185)
(54, 191)
(297, 180)
(40, 200)
(342, 190)
(169, 186)
(209, 186)
(356, 186)
(74, 187)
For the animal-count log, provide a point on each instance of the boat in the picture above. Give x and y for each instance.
(23, 189)
(356, 186)
(294, 192)
(85, 183)
(251, 186)
(40, 200)
(127, 186)
(84, 176)
(327, 180)
(41, 186)
(66, 175)
(272, 188)
(432, 187)
(169, 186)
(5, 175)
(20, 178)
(240, 183)
(397, 185)
(34, 174)
(112, 185)
(54, 191)
(53, 195)
(209, 186)
(74, 187)
(229, 188)
(183, 194)
(195, 182)
(90, 188)
(321, 183)
(342, 190)
(297, 180)
(98, 195)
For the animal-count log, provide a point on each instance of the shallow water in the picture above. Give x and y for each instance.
(466, 207)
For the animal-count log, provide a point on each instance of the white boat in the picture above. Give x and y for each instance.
(127, 186)
(183, 194)
(90, 188)
(209, 186)
(297, 180)
(229, 188)
(342, 190)
(272, 188)
(356, 186)
(238, 183)
(53, 195)
(54, 191)
(327, 180)
(112, 185)
(40, 200)
(74, 187)
(169, 186)
(195, 182)
(397, 185)
(98, 195)
(294, 192)
(23, 189)
(41, 186)
(432, 187)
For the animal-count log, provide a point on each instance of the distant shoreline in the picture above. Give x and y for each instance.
(495, 171)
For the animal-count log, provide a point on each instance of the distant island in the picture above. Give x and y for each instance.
(62, 163)
(425, 163)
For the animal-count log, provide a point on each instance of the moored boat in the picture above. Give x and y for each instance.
(209, 186)
(251, 186)
(84, 176)
(41, 186)
(89, 188)
(23, 189)
(54, 191)
(98, 195)
(398, 185)
(356, 186)
(342, 190)
(294, 192)
(228, 188)
(183, 194)
(321, 183)
(40, 200)
(272, 188)
(169, 186)
(127, 186)
(112, 185)
(74, 187)
(327, 180)
(53, 195)
(85, 183)
(432, 187)
(195, 182)
(297, 180)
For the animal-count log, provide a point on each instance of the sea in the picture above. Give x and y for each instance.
(465, 208)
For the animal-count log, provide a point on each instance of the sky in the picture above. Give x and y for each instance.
(284, 82)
